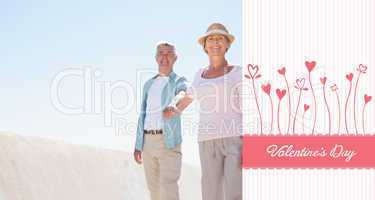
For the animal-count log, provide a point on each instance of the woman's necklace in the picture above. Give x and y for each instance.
(216, 71)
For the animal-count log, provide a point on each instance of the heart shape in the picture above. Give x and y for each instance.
(267, 88)
(323, 80)
(300, 83)
(280, 93)
(349, 76)
(253, 70)
(362, 68)
(282, 71)
(306, 107)
(367, 98)
(310, 65)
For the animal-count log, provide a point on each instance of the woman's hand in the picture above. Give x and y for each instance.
(170, 112)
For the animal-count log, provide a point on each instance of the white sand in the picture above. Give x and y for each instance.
(34, 168)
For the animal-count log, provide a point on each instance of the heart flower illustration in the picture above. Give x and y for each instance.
(253, 73)
(300, 85)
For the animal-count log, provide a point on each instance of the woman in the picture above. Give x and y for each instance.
(217, 89)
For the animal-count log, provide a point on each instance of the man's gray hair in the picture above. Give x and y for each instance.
(165, 43)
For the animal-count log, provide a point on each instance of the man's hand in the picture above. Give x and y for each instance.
(138, 156)
(170, 112)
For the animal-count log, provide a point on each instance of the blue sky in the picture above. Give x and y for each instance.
(40, 38)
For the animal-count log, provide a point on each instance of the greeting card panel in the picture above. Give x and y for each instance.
(309, 71)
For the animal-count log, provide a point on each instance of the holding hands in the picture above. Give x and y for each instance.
(171, 111)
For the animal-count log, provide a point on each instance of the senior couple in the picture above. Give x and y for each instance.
(216, 88)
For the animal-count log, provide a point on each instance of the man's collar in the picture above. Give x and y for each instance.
(172, 75)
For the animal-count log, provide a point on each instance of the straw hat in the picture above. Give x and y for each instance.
(215, 29)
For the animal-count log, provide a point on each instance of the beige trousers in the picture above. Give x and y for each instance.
(221, 168)
(162, 168)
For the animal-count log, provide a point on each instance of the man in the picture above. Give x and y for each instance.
(158, 143)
